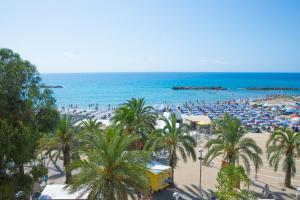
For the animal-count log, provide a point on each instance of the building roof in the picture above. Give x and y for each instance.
(199, 119)
(157, 167)
(57, 192)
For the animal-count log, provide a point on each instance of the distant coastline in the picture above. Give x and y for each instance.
(198, 88)
(51, 86)
(270, 88)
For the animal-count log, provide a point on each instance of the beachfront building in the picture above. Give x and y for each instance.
(58, 192)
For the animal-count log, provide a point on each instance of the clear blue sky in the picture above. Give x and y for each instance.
(154, 35)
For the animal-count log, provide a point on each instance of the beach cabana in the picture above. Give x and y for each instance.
(57, 192)
(198, 122)
(197, 119)
(204, 121)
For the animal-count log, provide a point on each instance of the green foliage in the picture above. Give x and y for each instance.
(172, 139)
(231, 143)
(284, 146)
(136, 118)
(91, 125)
(14, 183)
(22, 95)
(26, 111)
(108, 169)
(229, 179)
(38, 172)
(62, 143)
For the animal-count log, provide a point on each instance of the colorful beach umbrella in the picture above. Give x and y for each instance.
(295, 119)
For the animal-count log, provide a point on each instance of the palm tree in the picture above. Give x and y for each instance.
(91, 125)
(109, 170)
(172, 139)
(136, 118)
(231, 143)
(284, 144)
(62, 142)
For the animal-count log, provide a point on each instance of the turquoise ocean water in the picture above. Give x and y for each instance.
(115, 88)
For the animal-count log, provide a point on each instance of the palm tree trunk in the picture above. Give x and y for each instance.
(125, 195)
(231, 160)
(21, 169)
(172, 168)
(288, 176)
(67, 160)
(2, 168)
(108, 191)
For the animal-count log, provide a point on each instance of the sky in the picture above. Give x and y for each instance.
(154, 35)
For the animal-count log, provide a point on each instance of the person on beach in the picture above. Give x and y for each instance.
(266, 191)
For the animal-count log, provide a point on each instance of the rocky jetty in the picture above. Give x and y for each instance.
(270, 88)
(198, 88)
(52, 86)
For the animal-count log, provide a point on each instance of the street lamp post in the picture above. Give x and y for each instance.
(44, 160)
(200, 159)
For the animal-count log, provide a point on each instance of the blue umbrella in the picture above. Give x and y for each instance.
(282, 124)
(273, 121)
(294, 123)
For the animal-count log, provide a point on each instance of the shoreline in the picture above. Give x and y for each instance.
(109, 107)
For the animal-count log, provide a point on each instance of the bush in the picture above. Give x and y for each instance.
(233, 183)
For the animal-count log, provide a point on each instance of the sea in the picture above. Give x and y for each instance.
(113, 89)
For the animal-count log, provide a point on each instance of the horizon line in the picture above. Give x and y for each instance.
(111, 72)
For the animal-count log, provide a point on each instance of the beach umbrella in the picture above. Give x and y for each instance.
(294, 123)
(246, 121)
(273, 121)
(290, 110)
(259, 121)
(295, 119)
(282, 124)
(173, 109)
(273, 108)
(161, 107)
(266, 124)
(294, 116)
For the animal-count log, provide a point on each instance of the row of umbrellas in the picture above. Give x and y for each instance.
(248, 114)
